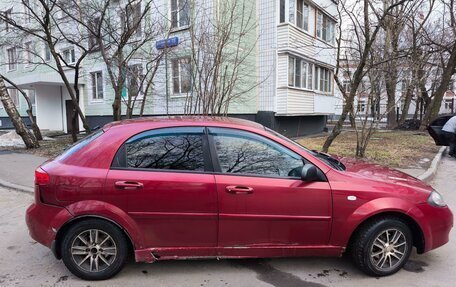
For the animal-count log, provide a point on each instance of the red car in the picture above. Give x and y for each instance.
(199, 187)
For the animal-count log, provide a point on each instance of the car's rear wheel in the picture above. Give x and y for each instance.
(382, 247)
(94, 249)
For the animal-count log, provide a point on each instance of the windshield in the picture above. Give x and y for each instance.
(334, 163)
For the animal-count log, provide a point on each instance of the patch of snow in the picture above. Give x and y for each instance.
(11, 139)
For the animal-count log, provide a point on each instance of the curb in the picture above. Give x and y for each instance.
(17, 187)
(430, 172)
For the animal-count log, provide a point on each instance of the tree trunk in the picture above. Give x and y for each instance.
(433, 108)
(117, 106)
(21, 129)
(407, 101)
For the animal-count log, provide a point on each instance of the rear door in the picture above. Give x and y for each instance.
(262, 199)
(435, 130)
(171, 195)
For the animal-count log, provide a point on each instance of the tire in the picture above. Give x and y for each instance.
(94, 249)
(382, 247)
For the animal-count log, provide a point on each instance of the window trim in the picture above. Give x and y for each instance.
(253, 136)
(69, 49)
(92, 99)
(12, 63)
(121, 154)
(179, 77)
(178, 26)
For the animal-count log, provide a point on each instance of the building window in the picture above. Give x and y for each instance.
(323, 79)
(47, 52)
(14, 96)
(361, 106)
(282, 11)
(325, 28)
(27, 10)
(69, 56)
(97, 86)
(302, 12)
(135, 78)
(180, 13)
(28, 55)
(299, 73)
(131, 19)
(31, 96)
(7, 14)
(449, 104)
(181, 69)
(347, 86)
(12, 59)
(93, 26)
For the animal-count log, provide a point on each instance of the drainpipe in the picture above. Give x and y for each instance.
(61, 104)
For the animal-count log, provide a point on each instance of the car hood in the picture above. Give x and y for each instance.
(381, 173)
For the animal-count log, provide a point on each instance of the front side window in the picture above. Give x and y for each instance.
(180, 13)
(250, 154)
(97, 85)
(181, 69)
(171, 149)
(12, 59)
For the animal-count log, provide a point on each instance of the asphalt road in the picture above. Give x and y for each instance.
(23, 262)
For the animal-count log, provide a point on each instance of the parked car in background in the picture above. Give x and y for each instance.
(435, 130)
(200, 187)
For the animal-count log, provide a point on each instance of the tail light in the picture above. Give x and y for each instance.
(41, 177)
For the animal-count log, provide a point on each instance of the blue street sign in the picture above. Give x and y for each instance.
(167, 43)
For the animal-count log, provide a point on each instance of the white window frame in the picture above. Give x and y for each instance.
(8, 13)
(128, 17)
(178, 12)
(12, 59)
(72, 54)
(13, 93)
(325, 28)
(305, 71)
(94, 98)
(29, 94)
(179, 77)
(140, 96)
(302, 15)
(47, 53)
(28, 55)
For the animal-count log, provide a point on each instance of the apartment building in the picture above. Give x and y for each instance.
(291, 68)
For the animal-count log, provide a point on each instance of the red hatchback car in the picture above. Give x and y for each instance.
(199, 187)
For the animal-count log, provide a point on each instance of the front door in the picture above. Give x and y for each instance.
(170, 196)
(262, 200)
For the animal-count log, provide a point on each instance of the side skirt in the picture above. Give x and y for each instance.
(154, 254)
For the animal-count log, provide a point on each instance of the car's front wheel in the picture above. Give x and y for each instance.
(94, 249)
(382, 247)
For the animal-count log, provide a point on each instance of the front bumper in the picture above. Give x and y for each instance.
(44, 221)
(436, 224)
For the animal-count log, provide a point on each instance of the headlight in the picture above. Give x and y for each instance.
(435, 199)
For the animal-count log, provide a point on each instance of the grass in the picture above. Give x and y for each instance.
(399, 149)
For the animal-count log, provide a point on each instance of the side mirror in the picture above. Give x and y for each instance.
(309, 173)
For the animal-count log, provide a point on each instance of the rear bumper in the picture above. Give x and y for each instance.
(44, 221)
(436, 224)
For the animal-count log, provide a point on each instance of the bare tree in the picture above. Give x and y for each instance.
(29, 111)
(222, 41)
(123, 33)
(21, 129)
(52, 23)
(446, 44)
(365, 21)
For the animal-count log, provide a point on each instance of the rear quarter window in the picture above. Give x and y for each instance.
(79, 145)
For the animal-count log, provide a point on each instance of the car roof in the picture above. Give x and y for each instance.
(180, 120)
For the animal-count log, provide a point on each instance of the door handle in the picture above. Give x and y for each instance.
(128, 185)
(239, 189)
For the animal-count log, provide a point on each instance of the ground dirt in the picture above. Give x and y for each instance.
(398, 149)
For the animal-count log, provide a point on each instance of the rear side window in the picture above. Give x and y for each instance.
(173, 149)
(80, 144)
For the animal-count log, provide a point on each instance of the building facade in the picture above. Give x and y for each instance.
(290, 69)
